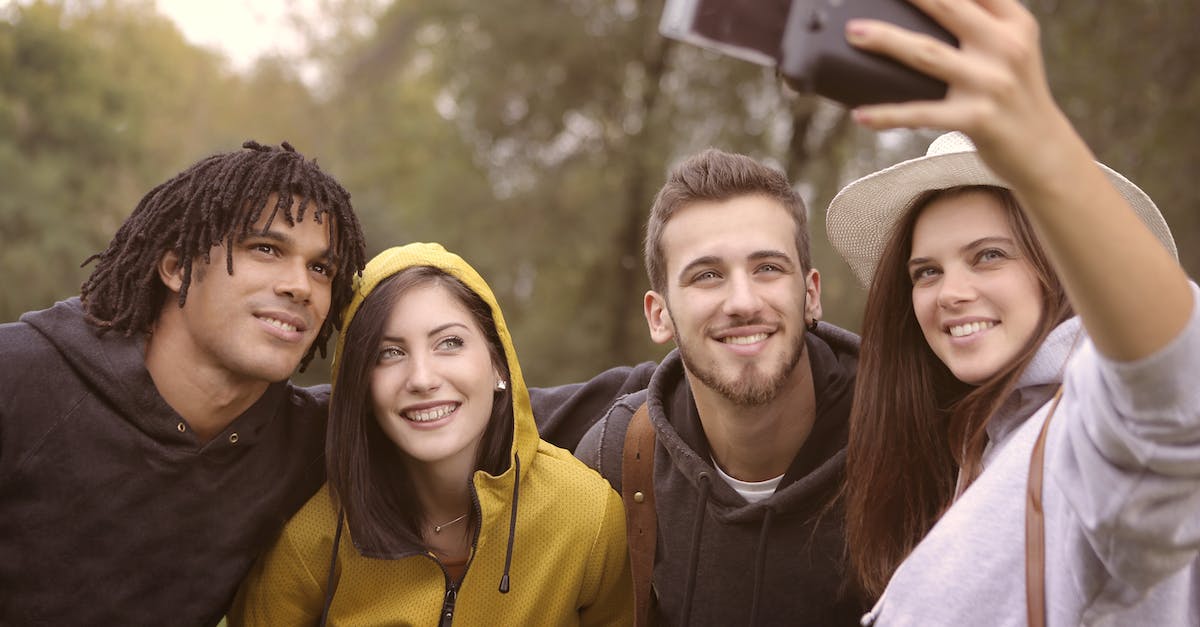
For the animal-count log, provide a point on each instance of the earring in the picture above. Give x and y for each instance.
(501, 385)
(812, 325)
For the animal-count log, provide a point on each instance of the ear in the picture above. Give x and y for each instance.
(658, 318)
(812, 292)
(170, 271)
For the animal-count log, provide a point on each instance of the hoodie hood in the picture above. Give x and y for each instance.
(114, 368)
(396, 259)
(110, 363)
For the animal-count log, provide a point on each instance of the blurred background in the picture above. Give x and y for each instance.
(529, 136)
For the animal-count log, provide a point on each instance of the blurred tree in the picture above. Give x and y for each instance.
(565, 117)
(99, 102)
(529, 136)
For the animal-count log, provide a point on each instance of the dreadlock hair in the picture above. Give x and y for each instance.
(216, 201)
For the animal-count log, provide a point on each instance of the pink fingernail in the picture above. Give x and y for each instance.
(856, 29)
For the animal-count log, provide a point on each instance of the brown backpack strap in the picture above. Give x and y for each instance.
(1035, 528)
(641, 520)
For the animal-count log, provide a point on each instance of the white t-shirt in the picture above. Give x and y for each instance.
(752, 491)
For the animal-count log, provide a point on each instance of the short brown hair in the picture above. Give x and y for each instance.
(715, 175)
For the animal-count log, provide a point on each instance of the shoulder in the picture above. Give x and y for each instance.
(314, 525)
(310, 399)
(21, 343)
(603, 445)
(559, 475)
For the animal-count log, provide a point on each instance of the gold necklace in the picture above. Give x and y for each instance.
(438, 528)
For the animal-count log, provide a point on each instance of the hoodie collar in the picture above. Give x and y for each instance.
(817, 465)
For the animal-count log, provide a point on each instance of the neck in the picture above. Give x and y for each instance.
(761, 442)
(207, 398)
(442, 489)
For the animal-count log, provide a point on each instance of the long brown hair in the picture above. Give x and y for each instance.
(913, 426)
(367, 476)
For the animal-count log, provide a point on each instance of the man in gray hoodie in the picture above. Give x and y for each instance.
(749, 413)
(150, 444)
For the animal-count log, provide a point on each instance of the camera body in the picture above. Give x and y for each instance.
(805, 40)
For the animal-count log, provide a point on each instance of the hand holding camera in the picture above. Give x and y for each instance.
(805, 40)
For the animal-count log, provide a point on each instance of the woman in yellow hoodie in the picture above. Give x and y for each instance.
(442, 503)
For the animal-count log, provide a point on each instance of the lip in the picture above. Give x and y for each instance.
(744, 331)
(300, 324)
(973, 337)
(403, 413)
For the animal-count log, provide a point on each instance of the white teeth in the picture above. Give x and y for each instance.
(745, 339)
(961, 330)
(429, 415)
(280, 324)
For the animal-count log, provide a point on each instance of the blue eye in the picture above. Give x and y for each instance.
(923, 273)
(991, 254)
(451, 343)
(389, 353)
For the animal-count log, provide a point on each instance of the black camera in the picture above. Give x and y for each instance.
(805, 40)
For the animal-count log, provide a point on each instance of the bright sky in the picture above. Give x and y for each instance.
(242, 29)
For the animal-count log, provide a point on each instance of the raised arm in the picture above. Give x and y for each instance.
(1116, 273)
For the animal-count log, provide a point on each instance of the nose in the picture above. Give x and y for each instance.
(294, 281)
(742, 300)
(956, 287)
(422, 376)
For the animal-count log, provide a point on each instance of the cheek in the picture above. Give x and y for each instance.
(924, 304)
(380, 392)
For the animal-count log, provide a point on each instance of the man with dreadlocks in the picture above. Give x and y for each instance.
(150, 444)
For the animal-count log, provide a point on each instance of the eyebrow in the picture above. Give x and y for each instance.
(713, 260)
(432, 332)
(983, 241)
(285, 239)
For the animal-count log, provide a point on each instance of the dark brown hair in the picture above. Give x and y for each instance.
(714, 175)
(367, 476)
(913, 425)
(216, 201)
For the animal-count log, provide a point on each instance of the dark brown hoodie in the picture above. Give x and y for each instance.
(110, 512)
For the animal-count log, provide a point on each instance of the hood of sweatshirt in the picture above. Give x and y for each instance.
(113, 365)
(393, 260)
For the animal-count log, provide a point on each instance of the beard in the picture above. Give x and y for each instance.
(754, 385)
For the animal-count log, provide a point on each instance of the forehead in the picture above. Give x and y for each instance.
(421, 308)
(959, 220)
(729, 229)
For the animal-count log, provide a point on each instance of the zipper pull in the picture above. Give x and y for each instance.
(448, 607)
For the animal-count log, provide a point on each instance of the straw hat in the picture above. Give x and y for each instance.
(862, 216)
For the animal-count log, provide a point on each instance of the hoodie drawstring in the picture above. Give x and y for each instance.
(330, 582)
(512, 523)
(694, 558)
(760, 562)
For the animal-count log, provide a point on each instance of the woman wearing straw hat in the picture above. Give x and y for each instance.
(1025, 440)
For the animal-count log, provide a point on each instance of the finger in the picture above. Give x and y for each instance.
(965, 19)
(922, 52)
(1004, 9)
(935, 114)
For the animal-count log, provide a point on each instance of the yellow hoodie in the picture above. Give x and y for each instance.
(569, 563)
